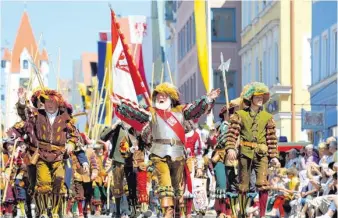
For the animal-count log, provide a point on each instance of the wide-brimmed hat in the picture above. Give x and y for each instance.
(255, 89)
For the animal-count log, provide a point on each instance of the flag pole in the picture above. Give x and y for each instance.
(169, 71)
(58, 73)
(162, 73)
(210, 116)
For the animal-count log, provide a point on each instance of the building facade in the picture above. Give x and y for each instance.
(324, 67)
(20, 67)
(276, 50)
(225, 37)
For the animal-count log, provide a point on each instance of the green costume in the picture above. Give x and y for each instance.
(258, 143)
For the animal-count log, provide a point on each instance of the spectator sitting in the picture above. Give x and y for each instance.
(324, 153)
(332, 151)
(292, 159)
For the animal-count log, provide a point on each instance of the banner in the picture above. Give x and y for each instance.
(313, 120)
(201, 40)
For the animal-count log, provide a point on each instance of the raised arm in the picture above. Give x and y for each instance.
(201, 106)
(130, 110)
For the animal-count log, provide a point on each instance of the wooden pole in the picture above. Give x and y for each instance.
(135, 50)
(58, 72)
(10, 170)
(171, 78)
(93, 109)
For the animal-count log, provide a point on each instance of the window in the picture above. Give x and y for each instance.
(188, 35)
(325, 59)
(218, 82)
(244, 77)
(315, 62)
(256, 69)
(264, 67)
(249, 73)
(2, 97)
(25, 64)
(231, 85)
(3, 64)
(223, 24)
(256, 8)
(249, 6)
(334, 67)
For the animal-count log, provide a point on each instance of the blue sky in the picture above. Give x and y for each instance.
(72, 26)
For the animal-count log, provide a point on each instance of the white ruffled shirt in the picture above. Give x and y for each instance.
(51, 117)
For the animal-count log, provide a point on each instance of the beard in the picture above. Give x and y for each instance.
(163, 105)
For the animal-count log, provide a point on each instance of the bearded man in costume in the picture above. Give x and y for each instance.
(258, 143)
(52, 137)
(165, 132)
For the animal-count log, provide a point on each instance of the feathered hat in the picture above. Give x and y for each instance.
(254, 89)
(42, 95)
(168, 89)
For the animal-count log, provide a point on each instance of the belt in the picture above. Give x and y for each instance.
(250, 144)
(48, 147)
(169, 141)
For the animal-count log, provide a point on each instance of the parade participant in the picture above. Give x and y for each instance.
(52, 136)
(9, 174)
(120, 153)
(81, 187)
(194, 152)
(258, 142)
(225, 171)
(100, 193)
(164, 125)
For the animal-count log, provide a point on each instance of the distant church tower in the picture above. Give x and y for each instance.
(17, 68)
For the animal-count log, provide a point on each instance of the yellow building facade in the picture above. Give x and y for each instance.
(275, 49)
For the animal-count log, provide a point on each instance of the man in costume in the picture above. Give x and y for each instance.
(258, 143)
(165, 132)
(121, 140)
(121, 154)
(52, 137)
(194, 152)
(225, 171)
(81, 187)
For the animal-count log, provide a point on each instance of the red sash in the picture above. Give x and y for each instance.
(177, 127)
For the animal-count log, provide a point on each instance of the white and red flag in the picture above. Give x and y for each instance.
(127, 82)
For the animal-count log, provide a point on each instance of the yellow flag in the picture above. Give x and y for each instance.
(201, 40)
(108, 84)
